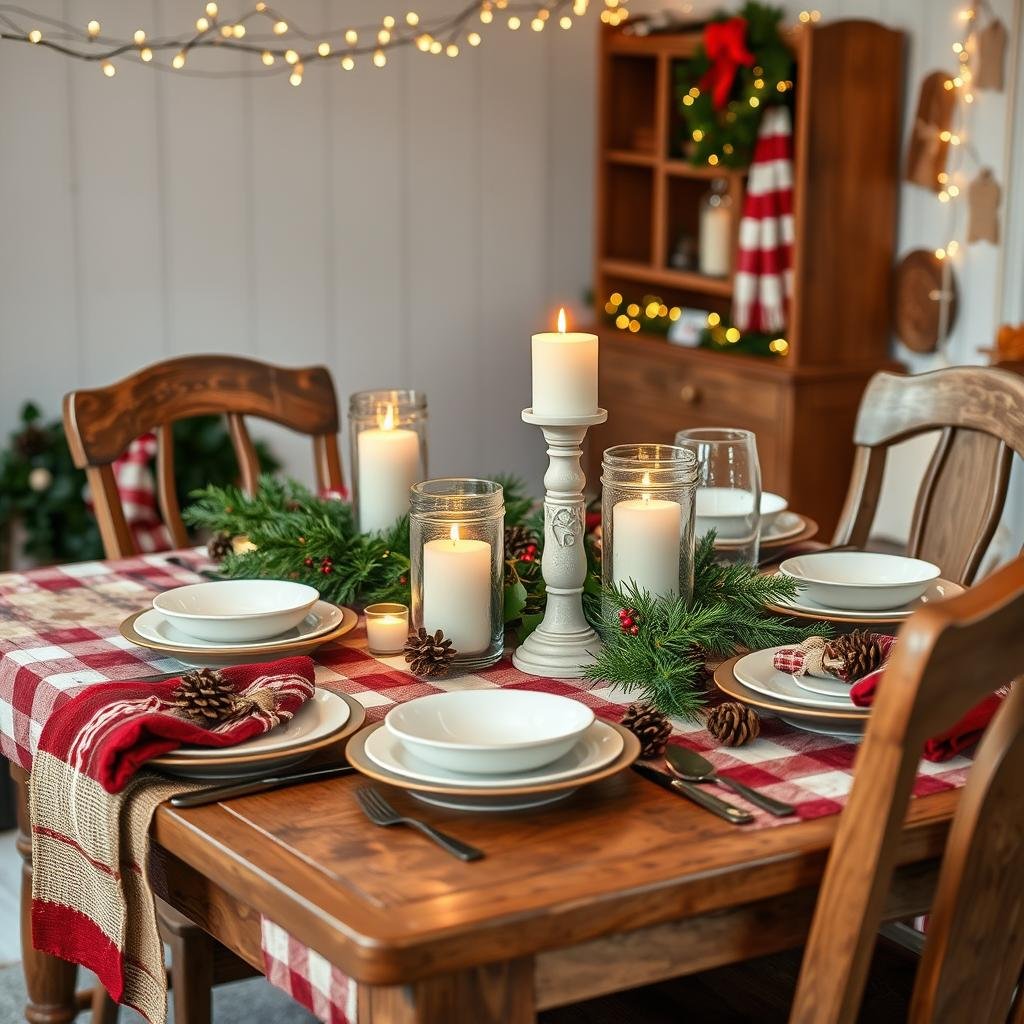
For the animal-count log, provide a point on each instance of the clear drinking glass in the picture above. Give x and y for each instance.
(728, 489)
(457, 548)
(388, 437)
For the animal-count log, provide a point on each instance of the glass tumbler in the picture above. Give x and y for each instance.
(388, 451)
(457, 549)
(647, 515)
(728, 489)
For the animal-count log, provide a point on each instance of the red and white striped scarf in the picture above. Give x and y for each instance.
(764, 268)
(91, 809)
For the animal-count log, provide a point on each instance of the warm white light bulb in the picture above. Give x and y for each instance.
(139, 37)
(324, 49)
(108, 69)
(514, 23)
(412, 18)
(473, 39)
(202, 24)
(452, 50)
(211, 10)
(35, 36)
(565, 21)
(347, 63)
(146, 54)
(267, 57)
(291, 56)
(179, 60)
(93, 29)
(351, 37)
(379, 58)
(280, 27)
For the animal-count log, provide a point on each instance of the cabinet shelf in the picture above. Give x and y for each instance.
(682, 279)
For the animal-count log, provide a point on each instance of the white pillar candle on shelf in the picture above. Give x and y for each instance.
(645, 550)
(564, 372)
(389, 464)
(457, 591)
(715, 235)
(387, 627)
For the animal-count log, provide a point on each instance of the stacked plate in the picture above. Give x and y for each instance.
(806, 702)
(231, 622)
(324, 720)
(861, 587)
(491, 750)
(724, 510)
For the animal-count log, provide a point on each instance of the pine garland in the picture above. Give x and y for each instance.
(663, 663)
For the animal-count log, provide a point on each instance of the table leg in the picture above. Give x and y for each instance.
(50, 981)
(496, 994)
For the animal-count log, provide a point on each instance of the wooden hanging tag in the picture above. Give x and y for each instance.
(926, 153)
(922, 283)
(983, 195)
(990, 59)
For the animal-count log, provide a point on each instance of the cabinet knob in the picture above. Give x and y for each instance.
(690, 394)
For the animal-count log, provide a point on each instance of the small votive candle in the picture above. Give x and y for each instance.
(387, 627)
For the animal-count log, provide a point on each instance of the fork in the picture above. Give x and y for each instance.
(380, 812)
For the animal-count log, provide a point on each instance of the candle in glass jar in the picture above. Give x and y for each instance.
(457, 591)
(564, 372)
(387, 627)
(646, 535)
(389, 464)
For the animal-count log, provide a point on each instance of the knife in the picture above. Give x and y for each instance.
(214, 794)
(710, 802)
(689, 765)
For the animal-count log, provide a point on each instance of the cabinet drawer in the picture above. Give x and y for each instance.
(725, 395)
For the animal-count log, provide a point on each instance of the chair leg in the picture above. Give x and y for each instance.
(192, 957)
(104, 1009)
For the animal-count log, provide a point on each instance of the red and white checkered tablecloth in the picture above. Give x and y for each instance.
(58, 633)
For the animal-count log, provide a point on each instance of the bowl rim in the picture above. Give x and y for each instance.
(306, 603)
(933, 571)
(455, 745)
(783, 506)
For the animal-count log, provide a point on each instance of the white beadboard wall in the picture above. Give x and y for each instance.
(409, 226)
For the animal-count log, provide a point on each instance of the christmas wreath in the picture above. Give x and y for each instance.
(741, 66)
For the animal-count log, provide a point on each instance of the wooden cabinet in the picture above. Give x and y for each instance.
(802, 404)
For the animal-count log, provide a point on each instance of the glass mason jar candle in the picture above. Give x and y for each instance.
(388, 440)
(647, 518)
(387, 627)
(457, 548)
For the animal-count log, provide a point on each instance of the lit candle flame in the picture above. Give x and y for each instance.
(387, 421)
(453, 533)
(561, 321)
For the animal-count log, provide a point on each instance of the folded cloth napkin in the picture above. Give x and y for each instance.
(947, 744)
(91, 806)
(816, 656)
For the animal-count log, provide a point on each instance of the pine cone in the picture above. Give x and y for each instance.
(650, 727)
(733, 723)
(30, 442)
(429, 654)
(219, 546)
(517, 540)
(205, 696)
(858, 653)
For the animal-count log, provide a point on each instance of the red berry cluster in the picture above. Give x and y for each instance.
(627, 621)
(529, 554)
(326, 564)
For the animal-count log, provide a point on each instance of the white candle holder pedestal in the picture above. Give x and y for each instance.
(564, 644)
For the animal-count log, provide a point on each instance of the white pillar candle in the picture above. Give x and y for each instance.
(645, 544)
(715, 257)
(389, 464)
(564, 372)
(457, 591)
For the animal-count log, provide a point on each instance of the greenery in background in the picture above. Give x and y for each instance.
(664, 664)
(43, 492)
(729, 135)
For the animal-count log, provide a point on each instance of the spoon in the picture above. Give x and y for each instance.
(690, 766)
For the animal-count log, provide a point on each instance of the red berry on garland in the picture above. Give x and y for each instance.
(531, 549)
(634, 630)
(307, 562)
(527, 557)
(326, 569)
(403, 580)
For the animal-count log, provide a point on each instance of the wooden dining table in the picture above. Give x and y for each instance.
(621, 884)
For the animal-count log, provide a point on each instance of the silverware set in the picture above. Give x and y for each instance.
(687, 771)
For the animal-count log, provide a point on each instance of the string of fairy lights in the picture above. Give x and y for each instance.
(278, 45)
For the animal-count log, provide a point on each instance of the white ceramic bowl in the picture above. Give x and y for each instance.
(860, 580)
(488, 732)
(236, 611)
(724, 510)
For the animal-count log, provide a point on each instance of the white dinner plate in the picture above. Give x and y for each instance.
(783, 526)
(827, 687)
(935, 591)
(322, 714)
(491, 803)
(757, 673)
(598, 746)
(153, 625)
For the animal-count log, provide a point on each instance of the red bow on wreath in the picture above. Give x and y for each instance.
(726, 46)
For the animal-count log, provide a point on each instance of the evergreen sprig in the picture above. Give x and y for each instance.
(664, 662)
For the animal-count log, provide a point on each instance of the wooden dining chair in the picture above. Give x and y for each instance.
(100, 423)
(979, 414)
(950, 656)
